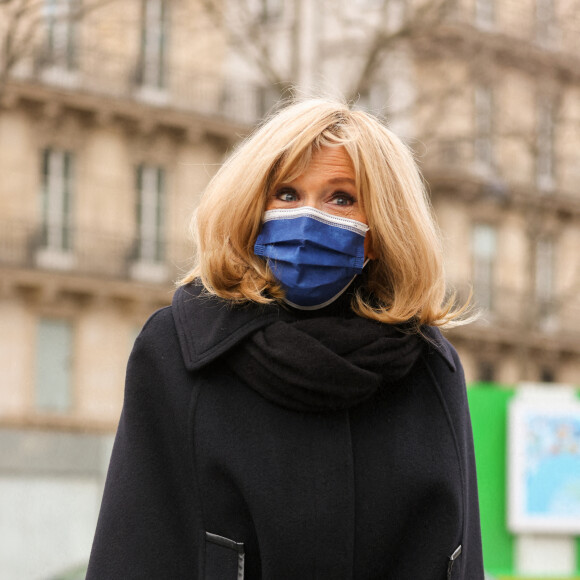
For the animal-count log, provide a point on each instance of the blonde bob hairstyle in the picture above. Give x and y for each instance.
(405, 280)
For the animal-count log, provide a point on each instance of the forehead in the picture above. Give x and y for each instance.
(326, 162)
(331, 161)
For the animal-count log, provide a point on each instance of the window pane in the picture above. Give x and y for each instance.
(60, 32)
(272, 10)
(53, 365)
(483, 125)
(66, 199)
(57, 185)
(484, 252)
(545, 145)
(160, 217)
(50, 14)
(163, 44)
(544, 269)
(150, 213)
(484, 240)
(73, 8)
(154, 43)
(546, 23)
(45, 203)
(484, 13)
(486, 372)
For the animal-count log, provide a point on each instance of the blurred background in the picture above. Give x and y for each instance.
(114, 114)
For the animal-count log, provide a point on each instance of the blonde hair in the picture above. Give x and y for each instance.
(405, 280)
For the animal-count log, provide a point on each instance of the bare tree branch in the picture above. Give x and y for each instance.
(246, 36)
(22, 29)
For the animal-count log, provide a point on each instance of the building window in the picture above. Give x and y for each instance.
(61, 25)
(54, 347)
(148, 261)
(153, 58)
(56, 193)
(544, 280)
(150, 214)
(547, 375)
(486, 371)
(546, 25)
(545, 145)
(484, 257)
(271, 10)
(484, 13)
(484, 126)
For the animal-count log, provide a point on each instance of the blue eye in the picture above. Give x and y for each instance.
(343, 199)
(286, 195)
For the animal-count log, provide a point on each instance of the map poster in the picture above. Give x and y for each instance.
(544, 461)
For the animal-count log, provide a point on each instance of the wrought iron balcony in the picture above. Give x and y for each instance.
(509, 312)
(122, 76)
(103, 254)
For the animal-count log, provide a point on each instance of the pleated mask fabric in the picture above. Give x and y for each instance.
(313, 254)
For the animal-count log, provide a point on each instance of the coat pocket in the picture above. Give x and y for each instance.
(453, 562)
(224, 558)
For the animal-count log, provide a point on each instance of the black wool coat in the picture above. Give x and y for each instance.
(219, 473)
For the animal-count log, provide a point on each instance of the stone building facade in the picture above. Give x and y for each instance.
(503, 170)
(112, 120)
(111, 123)
(487, 93)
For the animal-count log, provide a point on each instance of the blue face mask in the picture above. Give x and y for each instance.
(313, 254)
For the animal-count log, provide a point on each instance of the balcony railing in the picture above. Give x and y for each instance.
(95, 253)
(120, 76)
(515, 310)
(467, 153)
(106, 254)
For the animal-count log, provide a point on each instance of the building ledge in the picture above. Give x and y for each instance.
(72, 288)
(463, 39)
(499, 336)
(32, 422)
(471, 187)
(137, 112)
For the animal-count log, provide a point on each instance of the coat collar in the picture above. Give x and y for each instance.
(208, 326)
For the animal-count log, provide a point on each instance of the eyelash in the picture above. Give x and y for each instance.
(337, 194)
(344, 195)
(278, 194)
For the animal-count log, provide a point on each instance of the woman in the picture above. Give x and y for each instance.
(296, 412)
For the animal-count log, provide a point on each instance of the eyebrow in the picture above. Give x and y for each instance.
(332, 181)
(342, 180)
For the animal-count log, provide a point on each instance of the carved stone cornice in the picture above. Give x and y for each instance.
(471, 188)
(498, 338)
(463, 40)
(69, 291)
(49, 101)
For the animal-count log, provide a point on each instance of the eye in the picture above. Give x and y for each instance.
(287, 195)
(341, 198)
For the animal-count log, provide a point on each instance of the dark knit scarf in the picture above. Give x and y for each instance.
(325, 363)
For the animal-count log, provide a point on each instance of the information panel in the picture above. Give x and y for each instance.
(544, 461)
